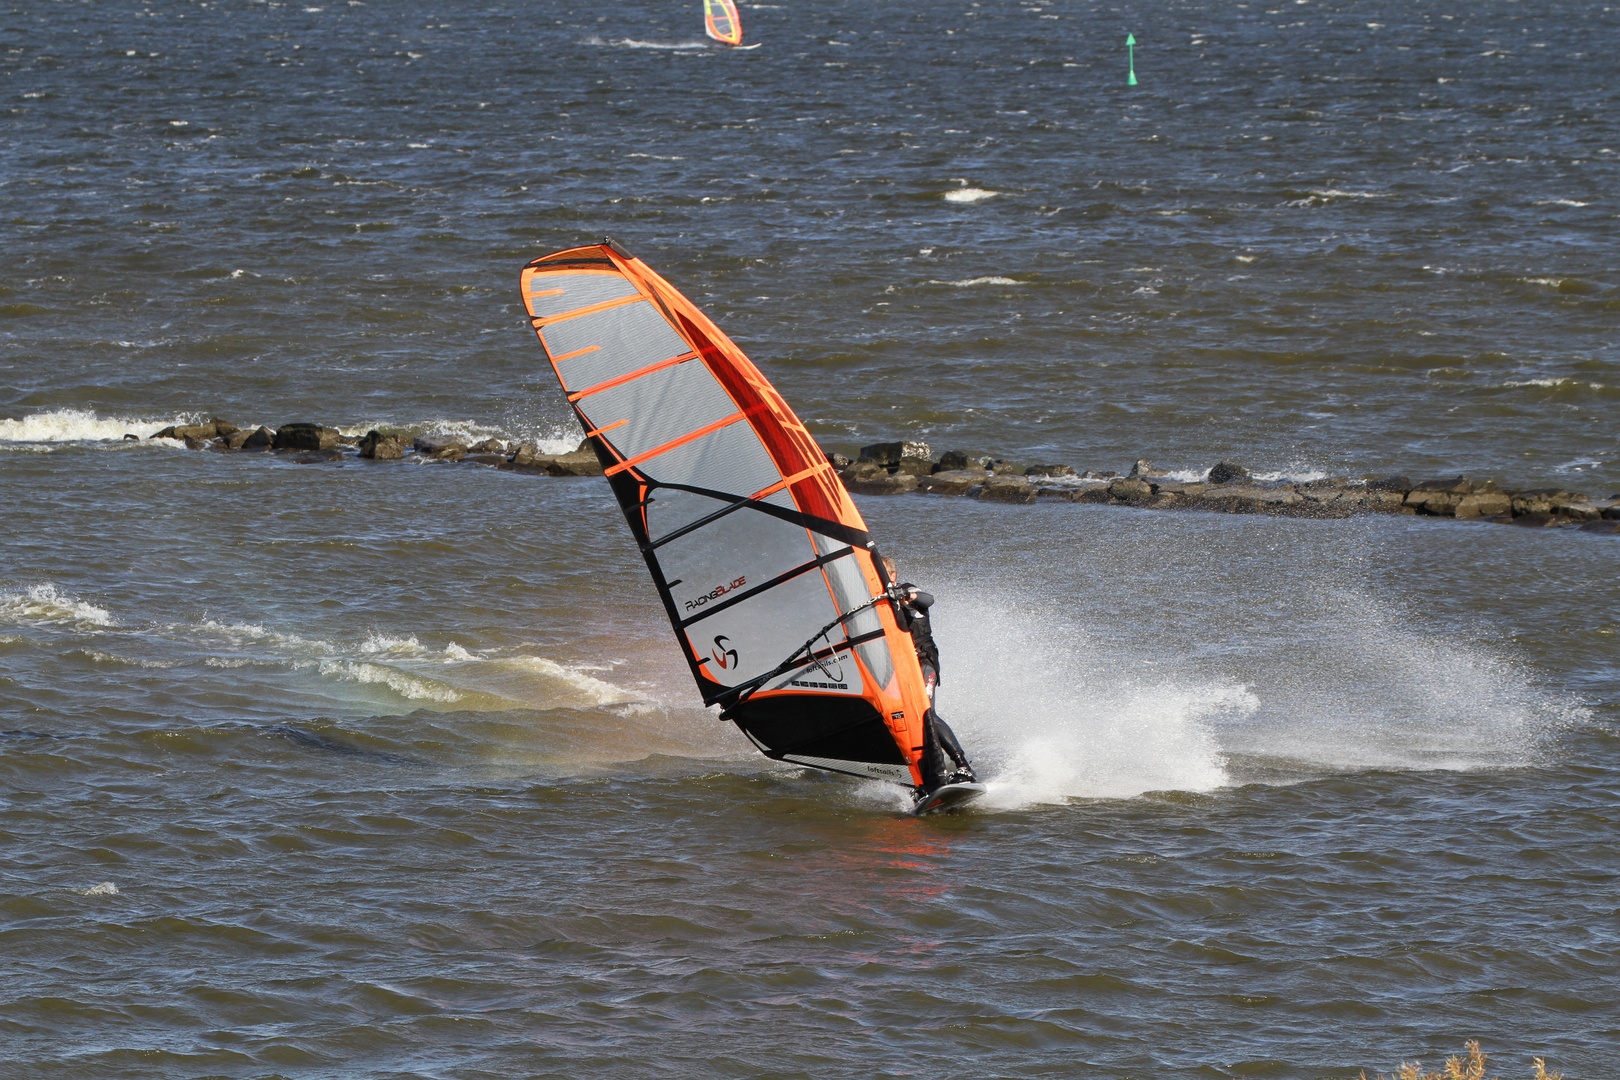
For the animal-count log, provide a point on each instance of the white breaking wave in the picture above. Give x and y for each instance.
(968, 283)
(1561, 202)
(1292, 476)
(970, 195)
(106, 888)
(393, 646)
(82, 425)
(241, 633)
(406, 685)
(44, 605)
(632, 43)
(594, 691)
(1554, 382)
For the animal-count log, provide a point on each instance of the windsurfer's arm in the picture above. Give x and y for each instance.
(922, 599)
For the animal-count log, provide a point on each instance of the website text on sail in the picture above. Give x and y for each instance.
(773, 585)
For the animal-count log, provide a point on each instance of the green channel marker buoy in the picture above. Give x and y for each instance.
(1130, 47)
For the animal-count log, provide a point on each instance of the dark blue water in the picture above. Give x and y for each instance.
(391, 771)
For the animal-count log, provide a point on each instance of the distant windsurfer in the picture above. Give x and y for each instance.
(911, 606)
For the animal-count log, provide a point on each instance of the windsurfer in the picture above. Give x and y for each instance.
(911, 606)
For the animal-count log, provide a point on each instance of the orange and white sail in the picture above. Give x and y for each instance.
(721, 22)
(765, 567)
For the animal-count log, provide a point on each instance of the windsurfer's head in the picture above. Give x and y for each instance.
(889, 568)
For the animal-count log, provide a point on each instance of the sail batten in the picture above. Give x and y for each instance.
(721, 21)
(762, 562)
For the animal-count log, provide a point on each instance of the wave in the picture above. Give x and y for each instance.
(44, 605)
(968, 283)
(970, 195)
(633, 43)
(82, 425)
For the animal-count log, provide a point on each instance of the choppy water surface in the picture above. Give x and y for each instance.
(318, 771)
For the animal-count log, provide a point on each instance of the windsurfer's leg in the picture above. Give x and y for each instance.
(948, 743)
(930, 679)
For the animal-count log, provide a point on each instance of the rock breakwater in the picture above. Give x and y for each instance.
(909, 466)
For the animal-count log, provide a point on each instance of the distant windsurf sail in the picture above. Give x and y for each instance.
(764, 566)
(721, 21)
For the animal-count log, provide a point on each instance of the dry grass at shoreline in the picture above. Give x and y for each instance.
(1470, 1068)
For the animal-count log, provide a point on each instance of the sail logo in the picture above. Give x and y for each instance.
(715, 593)
(726, 658)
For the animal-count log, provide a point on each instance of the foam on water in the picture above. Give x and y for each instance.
(44, 605)
(968, 283)
(106, 888)
(1370, 687)
(970, 195)
(1049, 715)
(406, 685)
(632, 43)
(1049, 718)
(592, 690)
(83, 425)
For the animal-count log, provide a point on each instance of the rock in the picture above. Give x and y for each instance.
(379, 447)
(523, 455)
(1107, 474)
(260, 438)
(1390, 483)
(206, 431)
(1007, 489)
(1006, 468)
(863, 471)
(956, 460)
(1253, 499)
(1439, 497)
(316, 457)
(306, 436)
(223, 429)
(883, 484)
(1484, 504)
(1143, 469)
(1049, 470)
(486, 459)
(837, 460)
(235, 440)
(890, 453)
(1534, 521)
(1387, 502)
(488, 446)
(1610, 513)
(1169, 494)
(1130, 489)
(576, 463)
(1559, 501)
(1099, 493)
(193, 443)
(445, 453)
(954, 482)
(435, 446)
(916, 466)
(131, 438)
(1608, 527)
(1225, 472)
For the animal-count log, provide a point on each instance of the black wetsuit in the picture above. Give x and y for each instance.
(938, 738)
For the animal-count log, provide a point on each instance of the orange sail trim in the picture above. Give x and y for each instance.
(765, 566)
(721, 21)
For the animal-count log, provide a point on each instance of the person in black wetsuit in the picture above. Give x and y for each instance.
(911, 606)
